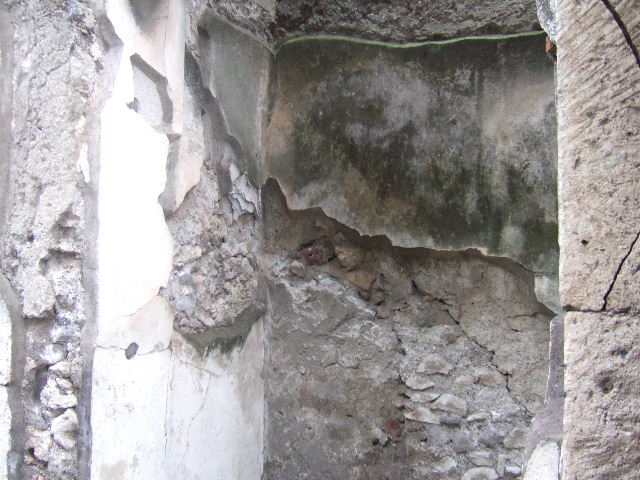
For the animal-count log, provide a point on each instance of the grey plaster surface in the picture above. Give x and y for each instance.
(447, 146)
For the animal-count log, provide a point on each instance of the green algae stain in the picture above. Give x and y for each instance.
(410, 123)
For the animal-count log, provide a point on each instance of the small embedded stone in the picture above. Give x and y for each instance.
(464, 381)
(65, 385)
(502, 461)
(491, 437)
(423, 397)
(52, 353)
(480, 473)
(425, 284)
(451, 403)
(53, 398)
(478, 417)
(400, 289)
(450, 419)
(480, 458)
(422, 414)
(441, 335)
(512, 470)
(318, 254)
(392, 427)
(460, 442)
(64, 429)
(377, 297)
(39, 441)
(360, 278)
(364, 295)
(348, 255)
(517, 438)
(416, 382)
(434, 363)
(379, 437)
(491, 378)
(298, 269)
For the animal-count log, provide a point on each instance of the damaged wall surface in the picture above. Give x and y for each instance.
(389, 363)
(175, 240)
(404, 20)
(236, 246)
(165, 230)
(447, 146)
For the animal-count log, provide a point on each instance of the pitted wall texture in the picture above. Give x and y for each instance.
(43, 249)
(599, 191)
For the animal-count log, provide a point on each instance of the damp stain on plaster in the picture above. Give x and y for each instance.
(448, 145)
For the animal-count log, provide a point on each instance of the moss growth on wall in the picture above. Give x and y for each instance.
(449, 143)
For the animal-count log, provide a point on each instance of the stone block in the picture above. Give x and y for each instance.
(599, 141)
(602, 404)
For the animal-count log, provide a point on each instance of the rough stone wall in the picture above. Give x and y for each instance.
(599, 146)
(43, 249)
(93, 117)
(403, 21)
(388, 363)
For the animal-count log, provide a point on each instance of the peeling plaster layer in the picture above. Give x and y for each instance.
(444, 145)
(160, 120)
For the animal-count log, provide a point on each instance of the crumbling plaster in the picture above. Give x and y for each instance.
(50, 96)
(143, 371)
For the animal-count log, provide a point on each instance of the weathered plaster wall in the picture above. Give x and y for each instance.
(404, 20)
(6, 323)
(442, 145)
(220, 329)
(599, 146)
(179, 342)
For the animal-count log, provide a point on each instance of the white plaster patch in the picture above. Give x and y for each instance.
(128, 413)
(134, 244)
(216, 421)
(544, 463)
(547, 289)
(150, 328)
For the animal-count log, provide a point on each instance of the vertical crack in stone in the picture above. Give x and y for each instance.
(618, 270)
(625, 31)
